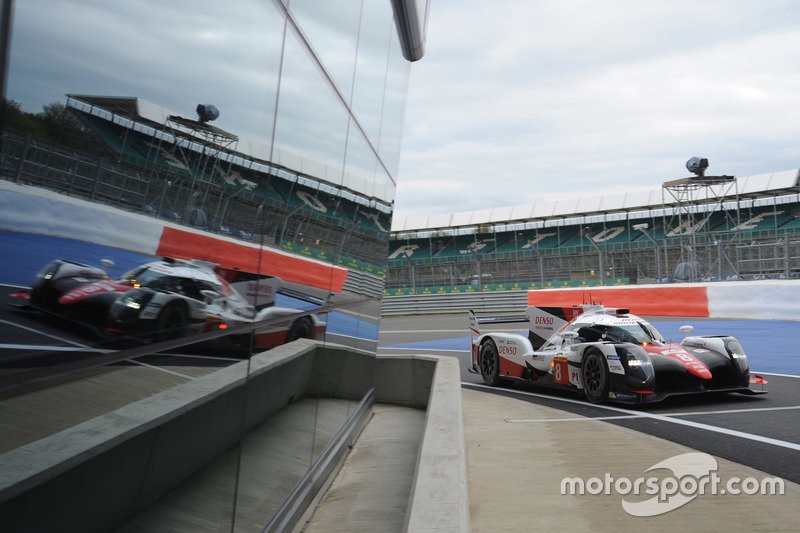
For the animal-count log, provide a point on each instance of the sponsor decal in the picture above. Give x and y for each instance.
(85, 291)
(698, 343)
(621, 395)
(560, 370)
(615, 366)
(674, 482)
(692, 364)
(507, 349)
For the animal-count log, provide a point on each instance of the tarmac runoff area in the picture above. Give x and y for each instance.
(518, 453)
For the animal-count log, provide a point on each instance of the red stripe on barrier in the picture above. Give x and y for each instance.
(187, 245)
(650, 301)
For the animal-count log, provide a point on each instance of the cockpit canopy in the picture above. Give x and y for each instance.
(635, 332)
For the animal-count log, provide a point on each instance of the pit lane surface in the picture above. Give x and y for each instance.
(759, 431)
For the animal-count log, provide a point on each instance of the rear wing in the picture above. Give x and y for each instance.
(543, 322)
(258, 290)
(476, 321)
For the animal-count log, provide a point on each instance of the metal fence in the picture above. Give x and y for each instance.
(481, 302)
(214, 207)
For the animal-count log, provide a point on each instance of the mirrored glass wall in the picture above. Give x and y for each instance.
(187, 185)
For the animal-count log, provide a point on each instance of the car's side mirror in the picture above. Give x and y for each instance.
(686, 330)
(210, 295)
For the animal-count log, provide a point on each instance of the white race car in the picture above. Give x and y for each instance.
(168, 299)
(608, 354)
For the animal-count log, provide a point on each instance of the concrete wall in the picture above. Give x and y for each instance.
(108, 469)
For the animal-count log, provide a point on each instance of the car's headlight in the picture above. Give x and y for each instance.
(637, 362)
(738, 355)
(132, 303)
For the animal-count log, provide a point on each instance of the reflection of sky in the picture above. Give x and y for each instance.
(180, 54)
(174, 55)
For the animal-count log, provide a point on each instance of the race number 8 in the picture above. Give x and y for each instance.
(560, 371)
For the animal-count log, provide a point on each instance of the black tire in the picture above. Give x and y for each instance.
(44, 293)
(301, 329)
(489, 363)
(172, 322)
(595, 376)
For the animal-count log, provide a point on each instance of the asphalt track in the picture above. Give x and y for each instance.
(759, 431)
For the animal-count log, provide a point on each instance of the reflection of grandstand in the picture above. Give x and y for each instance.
(719, 229)
(196, 174)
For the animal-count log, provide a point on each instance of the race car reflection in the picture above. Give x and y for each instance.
(169, 299)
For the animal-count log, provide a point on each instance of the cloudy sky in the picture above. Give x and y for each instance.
(525, 101)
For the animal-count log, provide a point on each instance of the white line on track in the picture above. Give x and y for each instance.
(774, 374)
(640, 415)
(660, 418)
(153, 367)
(42, 333)
(51, 348)
(193, 356)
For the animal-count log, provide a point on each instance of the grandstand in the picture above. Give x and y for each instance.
(692, 229)
(146, 159)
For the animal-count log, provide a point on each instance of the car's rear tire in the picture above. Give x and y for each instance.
(489, 363)
(172, 322)
(595, 376)
(301, 329)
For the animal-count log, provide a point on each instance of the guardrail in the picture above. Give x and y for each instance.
(289, 513)
(429, 304)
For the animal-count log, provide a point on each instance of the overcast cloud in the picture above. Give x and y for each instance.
(520, 101)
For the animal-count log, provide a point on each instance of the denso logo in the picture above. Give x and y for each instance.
(254, 287)
(507, 350)
(547, 320)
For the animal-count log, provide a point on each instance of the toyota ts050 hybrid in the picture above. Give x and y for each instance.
(609, 355)
(167, 299)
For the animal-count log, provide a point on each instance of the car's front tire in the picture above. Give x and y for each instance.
(595, 376)
(172, 322)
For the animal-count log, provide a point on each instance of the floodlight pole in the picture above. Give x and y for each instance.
(585, 232)
(286, 222)
(643, 229)
(411, 268)
(541, 263)
(480, 274)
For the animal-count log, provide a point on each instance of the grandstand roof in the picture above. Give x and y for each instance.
(760, 186)
(148, 113)
(162, 119)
